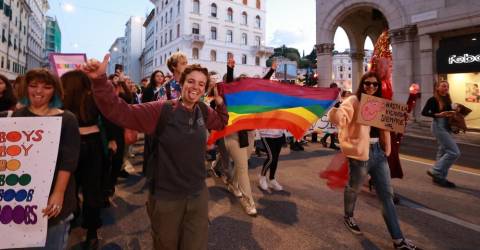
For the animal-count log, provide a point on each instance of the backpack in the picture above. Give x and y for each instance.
(165, 115)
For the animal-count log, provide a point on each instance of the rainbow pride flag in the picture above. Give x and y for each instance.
(258, 104)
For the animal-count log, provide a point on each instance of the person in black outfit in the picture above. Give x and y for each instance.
(41, 97)
(92, 165)
(116, 139)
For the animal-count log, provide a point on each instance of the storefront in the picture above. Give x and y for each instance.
(458, 61)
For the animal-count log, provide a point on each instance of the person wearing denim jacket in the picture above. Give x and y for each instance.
(367, 149)
(439, 107)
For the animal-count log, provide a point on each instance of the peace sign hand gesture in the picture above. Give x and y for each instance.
(94, 69)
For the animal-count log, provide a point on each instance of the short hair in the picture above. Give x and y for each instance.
(195, 67)
(43, 75)
(172, 61)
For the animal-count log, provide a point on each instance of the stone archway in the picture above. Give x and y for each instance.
(360, 19)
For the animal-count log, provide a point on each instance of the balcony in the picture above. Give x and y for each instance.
(262, 50)
(195, 39)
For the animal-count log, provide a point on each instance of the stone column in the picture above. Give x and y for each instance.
(427, 77)
(357, 68)
(403, 65)
(324, 63)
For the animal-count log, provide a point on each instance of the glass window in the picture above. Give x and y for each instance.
(257, 61)
(195, 53)
(178, 7)
(178, 30)
(196, 6)
(258, 22)
(245, 2)
(213, 55)
(244, 59)
(213, 33)
(195, 28)
(213, 10)
(257, 41)
(244, 18)
(258, 4)
(229, 36)
(230, 14)
(244, 39)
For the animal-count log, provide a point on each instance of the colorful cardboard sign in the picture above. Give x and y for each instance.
(382, 113)
(28, 154)
(62, 63)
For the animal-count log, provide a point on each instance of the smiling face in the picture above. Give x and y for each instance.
(370, 85)
(193, 87)
(40, 93)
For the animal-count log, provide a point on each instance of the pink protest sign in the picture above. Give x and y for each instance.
(62, 63)
(382, 113)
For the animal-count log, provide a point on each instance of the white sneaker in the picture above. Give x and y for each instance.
(234, 190)
(248, 206)
(262, 183)
(273, 184)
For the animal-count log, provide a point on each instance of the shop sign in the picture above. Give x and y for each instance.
(458, 60)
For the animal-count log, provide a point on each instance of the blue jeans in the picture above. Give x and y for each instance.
(57, 235)
(448, 151)
(377, 167)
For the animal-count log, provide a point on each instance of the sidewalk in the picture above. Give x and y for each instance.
(421, 129)
(418, 141)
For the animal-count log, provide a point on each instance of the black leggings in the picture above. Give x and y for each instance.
(273, 147)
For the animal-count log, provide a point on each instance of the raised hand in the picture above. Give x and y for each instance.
(94, 69)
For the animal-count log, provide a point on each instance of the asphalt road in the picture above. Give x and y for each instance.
(308, 215)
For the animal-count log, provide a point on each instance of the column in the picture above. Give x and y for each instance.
(324, 63)
(427, 77)
(357, 68)
(403, 62)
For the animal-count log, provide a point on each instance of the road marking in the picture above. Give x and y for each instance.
(437, 214)
(455, 168)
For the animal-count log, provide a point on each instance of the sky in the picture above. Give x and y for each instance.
(93, 25)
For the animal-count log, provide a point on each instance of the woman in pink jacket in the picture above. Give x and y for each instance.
(367, 149)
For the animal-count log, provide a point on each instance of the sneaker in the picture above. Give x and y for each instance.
(351, 225)
(405, 244)
(262, 183)
(444, 183)
(234, 190)
(248, 206)
(273, 184)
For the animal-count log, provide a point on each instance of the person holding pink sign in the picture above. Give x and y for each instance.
(367, 149)
(42, 97)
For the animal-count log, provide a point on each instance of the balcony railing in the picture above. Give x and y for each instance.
(262, 50)
(195, 38)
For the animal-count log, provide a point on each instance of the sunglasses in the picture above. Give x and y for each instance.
(368, 83)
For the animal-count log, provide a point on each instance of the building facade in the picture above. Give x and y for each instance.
(53, 36)
(117, 54)
(342, 68)
(13, 53)
(431, 40)
(146, 60)
(36, 27)
(208, 32)
(134, 44)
